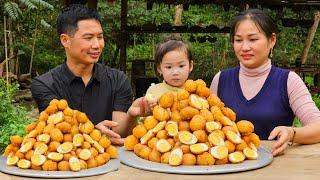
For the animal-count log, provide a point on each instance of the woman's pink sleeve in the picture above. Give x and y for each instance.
(301, 101)
(215, 83)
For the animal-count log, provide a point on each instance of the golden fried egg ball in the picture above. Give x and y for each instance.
(183, 126)
(130, 142)
(104, 141)
(189, 159)
(175, 116)
(188, 112)
(245, 127)
(166, 100)
(165, 158)
(183, 103)
(229, 113)
(150, 122)
(201, 135)
(214, 100)
(56, 135)
(152, 142)
(205, 159)
(201, 82)
(139, 131)
(160, 113)
(182, 94)
(112, 151)
(197, 123)
(68, 112)
(155, 156)
(190, 86)
(63, 166)
(62, 104)
(203, 91)
(64, 127)
(16, 140)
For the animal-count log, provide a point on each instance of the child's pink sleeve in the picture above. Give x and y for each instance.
(300, 100)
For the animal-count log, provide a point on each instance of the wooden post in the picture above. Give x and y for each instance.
(178, 17)
(92, 4)
(123, 35)
(310, 37)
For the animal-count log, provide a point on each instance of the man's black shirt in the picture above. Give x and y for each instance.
(108, 90)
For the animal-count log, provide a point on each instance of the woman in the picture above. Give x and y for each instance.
(268, 96)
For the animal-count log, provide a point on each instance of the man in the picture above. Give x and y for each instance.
(103, 93)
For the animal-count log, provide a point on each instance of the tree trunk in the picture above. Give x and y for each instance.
(310, 37)
(178, 17)
(93, 4)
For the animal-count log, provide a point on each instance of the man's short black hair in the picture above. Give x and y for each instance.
(67, 21)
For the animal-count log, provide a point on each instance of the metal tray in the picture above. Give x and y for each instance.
(112, 165)
(131, 159)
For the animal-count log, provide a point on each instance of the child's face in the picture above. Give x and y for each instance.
(175, 67)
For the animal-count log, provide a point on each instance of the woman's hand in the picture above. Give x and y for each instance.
(106, 128)
(284, 137)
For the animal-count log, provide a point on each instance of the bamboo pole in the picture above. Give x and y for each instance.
(310, 37)
(6, 48)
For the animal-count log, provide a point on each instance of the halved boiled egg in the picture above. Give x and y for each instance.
(186, 137)
(43, 138)
(219, 152)
(77, 140)
(213, 125)
(41, 149)
(145, 138)
(12, 160)
(26, 146)
(88, 138)
(74, 164)
(159, 126)
(85, 154)
(38, 159)
(172, 128)
(198, 148)
(236, 157)
(175, 157)
(215, 139)
(163, 146)
(55, 156)
(250, 153)
(66, 147)
(98, 146)
(198, 102)
(55, 118)
(233, 137)
(24, 164)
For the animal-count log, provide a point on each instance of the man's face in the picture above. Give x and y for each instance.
(87, 43)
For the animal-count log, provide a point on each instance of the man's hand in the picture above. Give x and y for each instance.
(284, 135)
(105, 127)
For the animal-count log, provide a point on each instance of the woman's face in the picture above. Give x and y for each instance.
(175, 67)
(251, 45)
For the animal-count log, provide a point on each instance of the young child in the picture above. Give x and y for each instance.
(174, 62)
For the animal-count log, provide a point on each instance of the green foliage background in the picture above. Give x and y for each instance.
(13, 117)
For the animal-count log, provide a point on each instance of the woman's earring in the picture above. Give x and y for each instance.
(271, 53)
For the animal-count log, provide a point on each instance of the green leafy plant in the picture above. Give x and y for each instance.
(13, 118)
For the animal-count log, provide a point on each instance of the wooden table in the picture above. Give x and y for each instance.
(298, 162)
